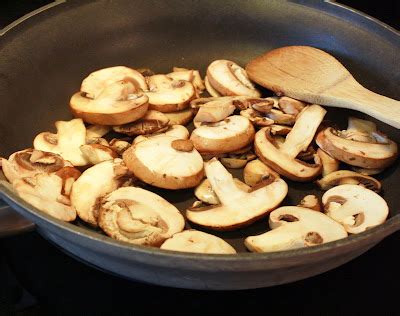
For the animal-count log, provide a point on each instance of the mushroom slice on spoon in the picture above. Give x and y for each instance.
(238, 208)
(139, 217)
(295, 227)
(348, 177)
(198, 242)
(355, 207)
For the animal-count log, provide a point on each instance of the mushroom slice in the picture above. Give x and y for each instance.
(139, 217)
(177, 131)
(206, 194)
(97, 131)
(71, 135)
(238, 208)
(168, 95)
(210, 89)
(295, 227)
(93, 184)
(282, 157)
(165, 162)
(348, 177)
(226, 136)
(228, 78)
(310, 201)
(151, 122)
(182, 117)
(256, 117)
(329, 164)
(94, 84)
(117, 104)
(119, 146)
(96, 153)
(280, 130)
(44, 191)
(355, 207)
(367, 172)
(280, 117)
(197, 242)
(193, 76)
(256, 171)
(291, 106)
(237, 161)
(214, 112)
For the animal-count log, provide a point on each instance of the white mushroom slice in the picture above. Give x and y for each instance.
(71, 135)
(93, 85)
(182, 117)
(139, 217)
(165, 162)
(348, 177)
(329, 164)
(367, 172)
(93, 184)
(197, 242)
(256, 171)
(177, 131)
(280, 117)
(193, 76)
(282, 158)
(117, 104)
(310, 201)
(210, 89)
(97, 131)
(96, 153)
(214, 112)
(226, 136)
(355, 207)
(228, 78)
(295, 227)
(256, 117)
(205, 193)
(237, 208)
(150, 123)
(291, 106)
(168, 95)
(281, 130)
(197, 81)
(119, 146)
(44, 191)
(237, 161)
(97, 140)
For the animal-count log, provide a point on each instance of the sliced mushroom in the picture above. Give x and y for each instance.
(182, 117)
(210, 89)
(193, 76)
(177, 131)
(117, 104)
(291, 106)
(256, 171)
(93, 184)
(165, 162)
(237, 208)
(279, 117)
(168, 95)
(355, 207)
(348, 177)
(97, 131)
(119, 145)
(257, 117)
(71, 135)
(139, 217)
(237, 161)
(280, 130)
(226, 136)
(367, 172)
(282, 158)
(329, 164)
(295, 227)
(96, 153)
(310, 201)
(214, 111)
(197, 242)
(150, 123)
(228, 78)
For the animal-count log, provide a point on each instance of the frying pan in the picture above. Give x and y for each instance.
(45, 56)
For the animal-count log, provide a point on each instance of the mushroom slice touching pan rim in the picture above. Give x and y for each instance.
(71, 135)
(94, 183)
(139, 216)
(228, 78)
(348, 177)
(197, 242)
(177, 131)
(355, 207)
(226, 136)
(295, 227)
(283, 158)
(165, 162)
(237, 208)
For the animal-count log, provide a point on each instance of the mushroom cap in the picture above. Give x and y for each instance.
(355, 207)
(197, 242)
(156, 162)
(226, 136)
(238, 208)
(348, 177)
(139, 217)
(295, 227)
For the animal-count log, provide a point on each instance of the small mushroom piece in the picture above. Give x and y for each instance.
(177, 131)
(329, 164)
(168, 95)
(367, 172)
(71, 135)
(139, 217)
(44, 191)
(119, 146)
(348, 177)
(97, 131)
(210, 89)
(193, 76)
(197, 242)
(295, 227)
(94, 183)
(256, 171)
(150, 123)
(228, 78)
(282, 157)
(310, 201)
(280, 117)
(291, 106)
(96, 153)
(280, 130)
(165, 162)
(355, 207)
(238, 208)
(228, 135)
(182, 117)
(256, 117)
(237, 161)
(214, 112)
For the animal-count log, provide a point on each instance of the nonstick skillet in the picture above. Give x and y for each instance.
(44, 57)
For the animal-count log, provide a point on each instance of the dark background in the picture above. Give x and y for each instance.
(37, 278)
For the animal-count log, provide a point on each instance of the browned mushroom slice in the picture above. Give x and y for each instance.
(182, 117)
(214, 111)
(97, 131)
(367, 172)
(257, 117)
(237, 161)
(119, 145)
(329, 164)
(280, 117)
(210, 89)
(291, 106)
(280, 130)
(177, 131)
(310, 201)
(96, 153)
(256, 171)
(348, 177)
(197, 242)
(139, 217)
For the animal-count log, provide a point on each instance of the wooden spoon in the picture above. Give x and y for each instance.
(312, 75)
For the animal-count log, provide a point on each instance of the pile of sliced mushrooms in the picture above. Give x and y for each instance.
(81, 172)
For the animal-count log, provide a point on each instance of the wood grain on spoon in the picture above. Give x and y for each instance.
(312, 75)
